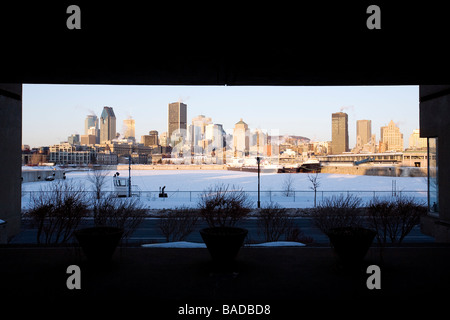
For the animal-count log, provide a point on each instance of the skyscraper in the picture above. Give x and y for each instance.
(214, 134)
(392, 137)
(198, 129)
(177, 119)
(91, 127)
(363, 132)
(129, 129)
(240, 139)
(415, 141)
(339, 132)
(91, 121)
(107, 125)
(150, 140)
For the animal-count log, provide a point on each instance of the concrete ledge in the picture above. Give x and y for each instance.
(435, 227)
(259, 274)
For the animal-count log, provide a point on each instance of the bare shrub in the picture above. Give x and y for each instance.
(297, 235)
(338, 211)
(315, 184)
(288, 185)
(274, 222)
(394, 220)
(124, 213)
(56, 211)
(221, 206)
(178, 223)
(97, 177)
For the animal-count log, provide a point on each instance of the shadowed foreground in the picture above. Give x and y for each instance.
(180, 276)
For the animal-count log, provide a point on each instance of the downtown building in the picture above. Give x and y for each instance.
(91, 127)
(363, 132)
(197, 133)
(67, 154)
(241, 141)
(107, 125)
(177, 123)
(129, 129)
(150, 140)
(391, 138)
(339, 133)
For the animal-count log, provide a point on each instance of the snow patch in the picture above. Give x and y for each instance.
(176, 244)
(186, 244)
(277, 244)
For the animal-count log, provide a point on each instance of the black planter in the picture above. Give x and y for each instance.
(99, 243)
(223, 243)
(351, 243)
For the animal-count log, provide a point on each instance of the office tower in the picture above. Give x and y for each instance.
(363, 132)
(177, 119)
(415, 141)
(198, 128)
(91, 127)
(107, 125)
(150, 140)
(129, 129)
(87, 139)
(339, 133)
(214, 134)
(91, 121)
(240, 139)
(163, 139)
(258, 145)
(73, 139)
(392, 137)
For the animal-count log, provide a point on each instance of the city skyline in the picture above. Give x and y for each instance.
(301, 111)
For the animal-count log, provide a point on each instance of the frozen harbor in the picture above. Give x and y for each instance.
(291, 190)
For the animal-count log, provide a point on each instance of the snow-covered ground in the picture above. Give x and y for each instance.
(183, 187)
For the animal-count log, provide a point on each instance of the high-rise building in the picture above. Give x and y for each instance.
(392, 137)
(214, 133)
(198, 128)
(87, 139)
(73, 139)
(150, 140)
(416, 142)
(177, 119)
(91, 127)
(363, 132)
(107, 125)
(240, 139)
(339, 133)
(163, 137)
(91, 121)
(129, 129)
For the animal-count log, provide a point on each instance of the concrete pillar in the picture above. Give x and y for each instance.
(10, 159)
(435, 122)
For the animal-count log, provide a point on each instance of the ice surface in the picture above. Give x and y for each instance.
(185, 186)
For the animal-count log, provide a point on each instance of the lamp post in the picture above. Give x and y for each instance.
(258, 160)
(129, 176)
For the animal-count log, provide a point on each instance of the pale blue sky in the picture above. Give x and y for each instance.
(53, 112)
